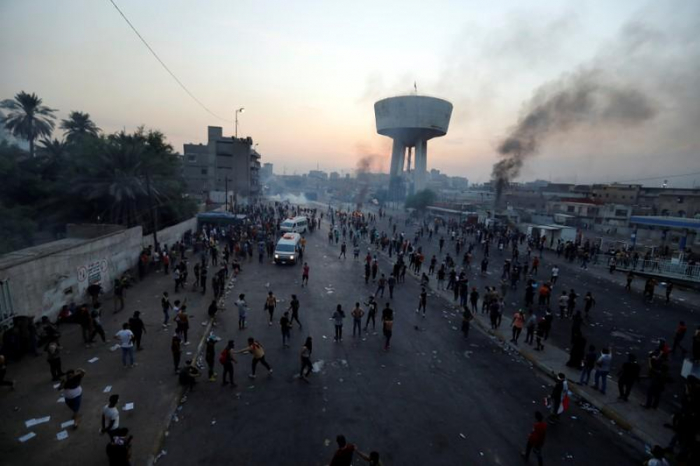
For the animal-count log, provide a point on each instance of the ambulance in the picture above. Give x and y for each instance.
(295, 225)
(287, 249)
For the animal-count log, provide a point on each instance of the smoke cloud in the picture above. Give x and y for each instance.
(587, 97)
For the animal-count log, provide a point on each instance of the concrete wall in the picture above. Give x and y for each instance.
(44, 278)
(171, 234)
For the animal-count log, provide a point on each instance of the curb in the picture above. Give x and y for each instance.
(160, 438)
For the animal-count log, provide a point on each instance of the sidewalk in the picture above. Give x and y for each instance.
(151, 386)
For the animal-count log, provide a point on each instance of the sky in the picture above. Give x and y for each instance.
(308, 73)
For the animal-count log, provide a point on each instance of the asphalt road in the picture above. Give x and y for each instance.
(435, 398)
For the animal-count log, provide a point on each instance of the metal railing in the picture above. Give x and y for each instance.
(667, 268)
(7, 312)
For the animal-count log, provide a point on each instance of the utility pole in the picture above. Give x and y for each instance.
(226, 191)
(153, 212)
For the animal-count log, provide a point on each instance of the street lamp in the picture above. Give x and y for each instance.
(256, 146)
(240, 110)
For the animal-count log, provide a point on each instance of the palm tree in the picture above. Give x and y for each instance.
(79, 125)
(53, 147)
(28, 119)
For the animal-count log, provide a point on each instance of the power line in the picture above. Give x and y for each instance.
(184, 88)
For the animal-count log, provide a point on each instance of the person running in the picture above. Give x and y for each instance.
(110, 416)
(137, 326)
(286, 327)
(270, 305)
(227, 358)
(126, 343)
(256, 349)
(294, 307)
(242, 306)
(535, 441)
(305, 275)
(306, 358)
(338, 317)
(381, 284)
(387, 326)
(517, 325)
(357, 314)
(73, 392)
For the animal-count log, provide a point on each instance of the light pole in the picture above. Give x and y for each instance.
(240, 110)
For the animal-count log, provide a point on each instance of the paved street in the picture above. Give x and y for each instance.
(433, 399)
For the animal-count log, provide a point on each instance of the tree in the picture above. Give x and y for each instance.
(28, 119)
(78, 126)
(421, 199)
(53, 148)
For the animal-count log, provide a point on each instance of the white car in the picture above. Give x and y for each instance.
(287, 249)
(295, 225)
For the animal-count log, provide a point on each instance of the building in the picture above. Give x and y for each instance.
(267, 171)
(223, 163)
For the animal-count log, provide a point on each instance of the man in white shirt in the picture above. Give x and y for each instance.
(126, 342)
(110, 416)
(555, 274)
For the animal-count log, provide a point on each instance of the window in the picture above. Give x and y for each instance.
(192, 158)
(570, 208)
(204, 171)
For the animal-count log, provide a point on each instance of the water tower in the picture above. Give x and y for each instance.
(410, 121)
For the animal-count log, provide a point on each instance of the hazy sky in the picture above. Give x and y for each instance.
(308, 73)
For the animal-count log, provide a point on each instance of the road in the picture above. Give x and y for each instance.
(435, 398)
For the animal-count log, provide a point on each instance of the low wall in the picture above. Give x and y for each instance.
(44, 278)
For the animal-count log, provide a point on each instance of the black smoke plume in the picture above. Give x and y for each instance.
(587, 97)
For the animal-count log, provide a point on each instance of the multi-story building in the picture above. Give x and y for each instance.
(616, 193)
(223, 163)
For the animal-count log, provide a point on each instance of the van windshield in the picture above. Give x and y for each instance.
(285, 248)
(288, 223)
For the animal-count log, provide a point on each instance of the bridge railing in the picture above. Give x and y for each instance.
(668, 268)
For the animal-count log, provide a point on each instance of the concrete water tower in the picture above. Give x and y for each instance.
(410, 121)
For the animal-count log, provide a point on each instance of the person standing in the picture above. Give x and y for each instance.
(357, 315)
(97, 329)
(535, 441)
(381, 284)
(53, 357)
(242, 306)
(559, 399)
(423, 301)
(286, 327)
(555, 275)
(211, 312)
(669, 290)
(183, 323)
(344, 453)
(203, 279)
(371, 312)
(588, 365)
(166, 306)
(305, 275)
(338, 317)
(118, 295)
(658, 379)
(602, 370)
(387, 326)
(126, 343)
(176, 350)
(467, 317)
(627, 377)
(306, 358)
(110, 416)
(630, 277)
(73, 392)
(474, 300)
(588, 303)
(563, 303)
(227, 358)
(270, 305)
(517, 325)
(391, 281)
(530, 327)
(209, 354)
(256, 349)
(343, 250)
(138, 328)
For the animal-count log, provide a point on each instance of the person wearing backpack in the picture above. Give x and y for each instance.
(227, 358)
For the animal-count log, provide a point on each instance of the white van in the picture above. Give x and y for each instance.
(295, 225)
(287, 249)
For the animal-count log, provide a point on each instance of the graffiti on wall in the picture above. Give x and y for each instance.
(92, 273)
